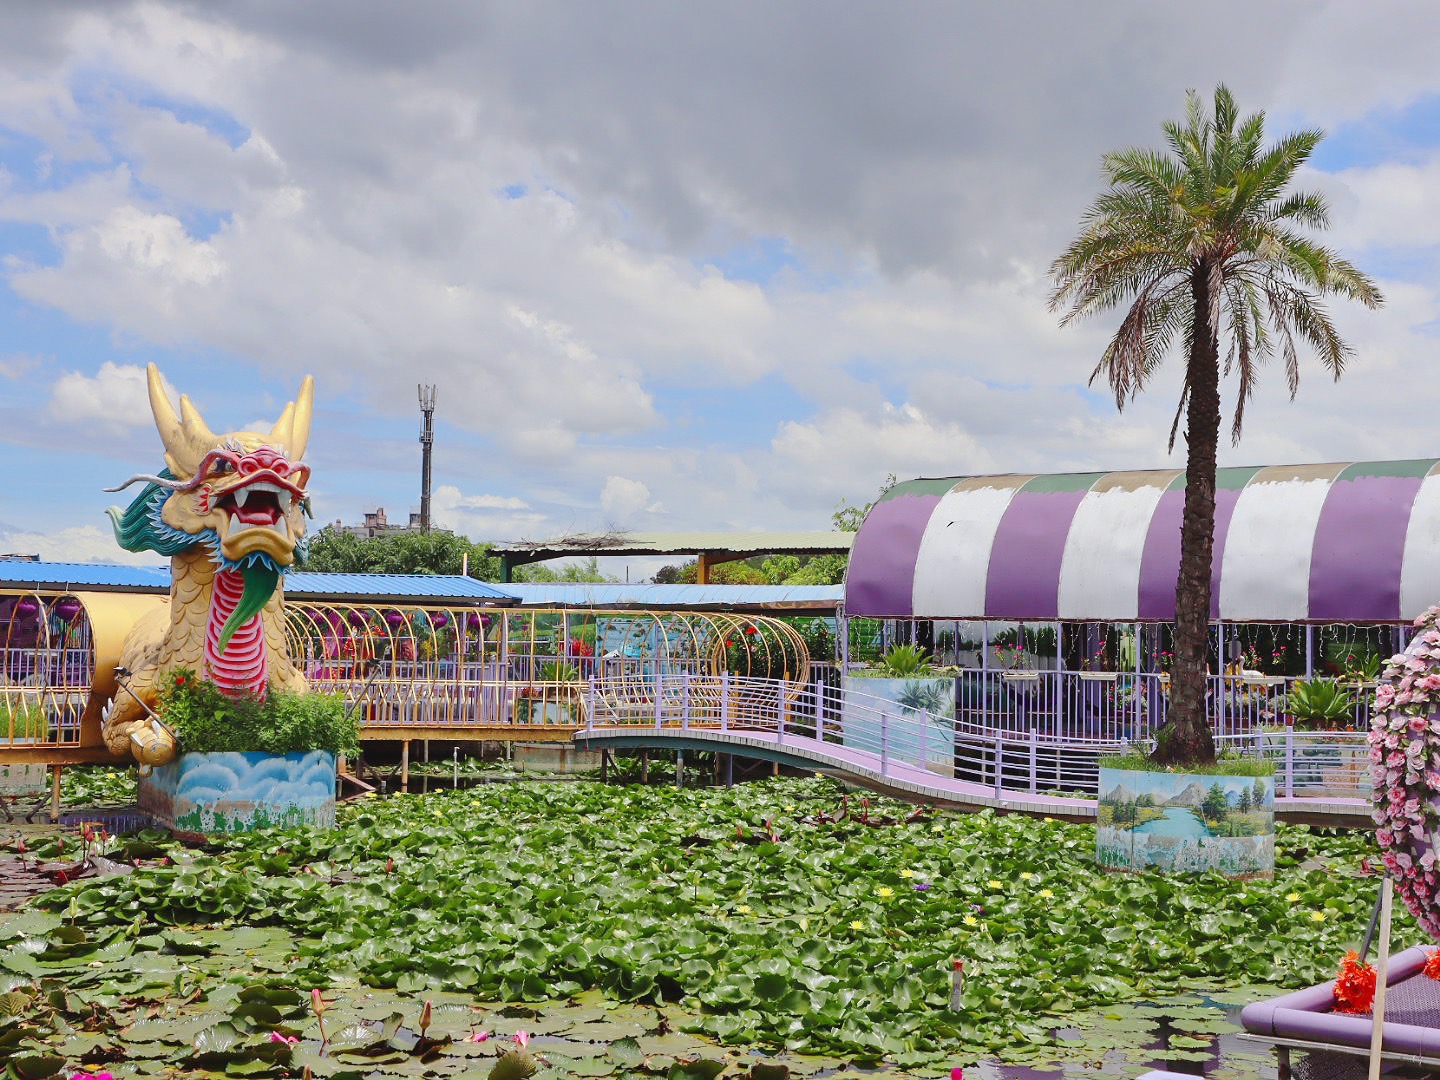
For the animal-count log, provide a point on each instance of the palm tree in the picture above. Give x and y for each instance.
(1203, 242)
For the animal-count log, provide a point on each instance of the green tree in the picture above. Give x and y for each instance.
(334, 551)
(1215, 805)
(584, 570)
(1205, 242)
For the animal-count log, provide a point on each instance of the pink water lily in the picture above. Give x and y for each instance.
(522, 1038)
(477, 1036)
(288, 1040)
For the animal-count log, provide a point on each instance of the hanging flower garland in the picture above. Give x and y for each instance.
(1405, 770)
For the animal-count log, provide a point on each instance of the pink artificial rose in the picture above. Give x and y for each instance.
(1385, 837)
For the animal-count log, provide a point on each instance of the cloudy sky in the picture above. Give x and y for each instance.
(671, 266)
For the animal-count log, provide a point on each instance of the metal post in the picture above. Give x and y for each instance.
(1034, 755)
(884, 744)
(590, 719)
(1289, 762)
(679, 768)
(999, 763)
(455, 772)
(404, 764)
(659, 698)
(842, 629)
(1309, 651)
(685, 701)
(725, 701)
(820, 711)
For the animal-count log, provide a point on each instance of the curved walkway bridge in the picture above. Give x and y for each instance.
(1320, 777)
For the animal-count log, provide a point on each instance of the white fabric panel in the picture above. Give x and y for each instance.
(953, 563)
(1265, 572)
(1420, 571)
(1100, 570)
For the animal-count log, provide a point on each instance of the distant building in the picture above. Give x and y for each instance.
(376, 524)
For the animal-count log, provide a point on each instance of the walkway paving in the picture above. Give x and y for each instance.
(909, 782)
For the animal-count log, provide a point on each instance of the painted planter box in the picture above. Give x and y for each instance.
(24, 779)
(897, 706)
(242, 791)
(1176, 822)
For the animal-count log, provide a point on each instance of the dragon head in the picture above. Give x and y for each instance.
(244, 493)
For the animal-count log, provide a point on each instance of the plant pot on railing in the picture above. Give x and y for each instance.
(1155, 819)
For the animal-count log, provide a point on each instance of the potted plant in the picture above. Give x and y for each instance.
(556, 701)
(1320, 705)
(247, 762)
(886, 703)
(21, 723)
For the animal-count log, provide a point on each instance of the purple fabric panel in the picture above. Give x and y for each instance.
(1160, 563)
(880, 580)
(1359, 547)
(1024, 577)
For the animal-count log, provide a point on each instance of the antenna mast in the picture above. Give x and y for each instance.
(427, 442)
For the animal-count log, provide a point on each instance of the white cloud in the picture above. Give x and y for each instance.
(622, 498)
(79, 543)
(115, 400)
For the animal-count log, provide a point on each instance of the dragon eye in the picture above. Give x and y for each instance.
(222, 466)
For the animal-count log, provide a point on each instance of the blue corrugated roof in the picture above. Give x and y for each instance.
(414, 586)
(606, 594)
(22, 573)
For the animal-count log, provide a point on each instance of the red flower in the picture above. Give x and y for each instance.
(179, 680)
(1355, 985)
(729, 643)
(751, 630)
(1432, 964)
(62, 878)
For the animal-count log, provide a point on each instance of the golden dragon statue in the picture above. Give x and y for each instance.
(229, 511)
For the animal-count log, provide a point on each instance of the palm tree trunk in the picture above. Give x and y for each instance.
(1188, 739)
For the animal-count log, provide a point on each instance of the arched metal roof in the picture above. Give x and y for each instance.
(1342, 542)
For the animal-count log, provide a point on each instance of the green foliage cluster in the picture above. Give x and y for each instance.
(1321, 704)
(97, 785)
(1224, 765)
(833, 938)
(206, 720)
(19, 720)
(334, 551)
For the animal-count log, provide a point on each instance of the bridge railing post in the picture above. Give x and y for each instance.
(590, 710)
(659, 698)
(725, 701)
(685, 701)
(1289, 762)
(819, 691)
(999, 764)
(884, 744)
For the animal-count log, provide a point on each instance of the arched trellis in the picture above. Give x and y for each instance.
(58, 651)
(409, 665)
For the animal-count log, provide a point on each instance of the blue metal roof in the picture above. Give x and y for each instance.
(411, 586)
(607, 594)
(25, 574)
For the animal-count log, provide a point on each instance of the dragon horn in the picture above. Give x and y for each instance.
(292, 430)
(186, 437)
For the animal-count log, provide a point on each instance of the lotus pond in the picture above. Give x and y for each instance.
(640, 931)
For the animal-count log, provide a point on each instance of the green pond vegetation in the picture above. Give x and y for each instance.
(640, 931)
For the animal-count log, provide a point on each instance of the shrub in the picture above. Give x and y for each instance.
(206, 720)
(21, 721)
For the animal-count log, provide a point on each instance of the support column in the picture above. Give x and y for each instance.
(405, 765)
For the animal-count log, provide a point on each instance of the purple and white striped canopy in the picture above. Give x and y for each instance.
(1345, 542)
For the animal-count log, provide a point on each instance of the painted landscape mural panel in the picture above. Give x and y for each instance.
(241, 792)
(898, 705)
(1186, 821)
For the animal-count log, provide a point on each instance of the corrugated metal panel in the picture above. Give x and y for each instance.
(20, 573)
(415, 586)
(760, 543)
(609, 595)
(1356, 542)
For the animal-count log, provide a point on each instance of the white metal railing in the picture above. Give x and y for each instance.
(848, 725)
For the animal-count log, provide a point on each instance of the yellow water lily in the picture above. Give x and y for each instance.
(884, 890)
(1291, 897)
(743, 909)
(857, 925)
(1318, 916)
(907, 872)
(1025, 875)
(970, 920)
(993, 884)
(1046, 893)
